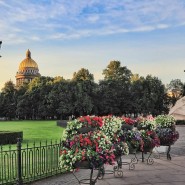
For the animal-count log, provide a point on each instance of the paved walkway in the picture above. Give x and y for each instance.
(162, 172)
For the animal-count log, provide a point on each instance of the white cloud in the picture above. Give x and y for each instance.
(71, 19)
(93, 18)
(35, 38)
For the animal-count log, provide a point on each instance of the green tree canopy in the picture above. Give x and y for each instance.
(83, 75)
(115, 71)
(8, 100)
(175, 90)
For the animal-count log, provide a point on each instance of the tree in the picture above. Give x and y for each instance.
(135, 78)
(62, 98)
(24, 107)
(113, 97)
(153, 96)
(175, 90)
(115, 71)
(83, 75)
(136, 92)
(8, 98)
(115, 89)
(83, 98)
(58, 79)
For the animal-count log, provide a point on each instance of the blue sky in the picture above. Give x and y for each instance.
(147, 36)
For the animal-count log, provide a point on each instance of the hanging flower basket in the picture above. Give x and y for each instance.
(117, 157)
(143, 127)
(132, 150)
(165, 121)
(150, 140)
(167, 136)
(127, 127)
(82, 164)
(173, 127)
(148, 149)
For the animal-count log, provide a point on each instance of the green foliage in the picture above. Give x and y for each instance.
(83, 75)
(176, 90)
(8, 100)
(180, 122)
(114, 97)
(152, 98)
(115, 71)
(56, 98)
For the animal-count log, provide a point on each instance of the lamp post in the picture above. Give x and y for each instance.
(0, 45)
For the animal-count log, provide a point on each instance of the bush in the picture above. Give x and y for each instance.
(180, 122)
(62, 123)
(7, 137)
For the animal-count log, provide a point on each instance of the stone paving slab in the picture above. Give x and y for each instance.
(172, 173)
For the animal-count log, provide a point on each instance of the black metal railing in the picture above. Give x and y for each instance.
(23, 165)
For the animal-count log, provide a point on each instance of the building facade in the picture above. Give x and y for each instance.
(28, 70)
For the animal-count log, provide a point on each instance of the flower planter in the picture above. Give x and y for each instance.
(141, 127)
(148, 149)
(127, 127)
(172, 127)
(84, 130)
(167, 136)
(132, 150)
(82, 164)
(166, 143)
(117, 157)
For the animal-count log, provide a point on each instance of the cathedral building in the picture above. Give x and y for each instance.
(28, 70)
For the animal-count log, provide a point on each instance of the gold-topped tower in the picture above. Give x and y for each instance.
(28, 70)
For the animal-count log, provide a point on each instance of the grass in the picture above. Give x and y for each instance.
(34, 131)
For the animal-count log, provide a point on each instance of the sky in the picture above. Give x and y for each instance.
(146, 36)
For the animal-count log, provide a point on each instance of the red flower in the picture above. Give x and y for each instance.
(63, 152)
(128, 120)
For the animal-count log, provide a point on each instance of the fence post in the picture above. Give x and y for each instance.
(19, 172)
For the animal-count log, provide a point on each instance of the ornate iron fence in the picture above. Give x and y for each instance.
(23, 165)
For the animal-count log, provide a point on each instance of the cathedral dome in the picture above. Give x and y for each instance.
(28, 70)
(28, 62)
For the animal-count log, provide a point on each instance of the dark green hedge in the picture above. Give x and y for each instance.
(62, 123)
(180, 122)
(7, 137)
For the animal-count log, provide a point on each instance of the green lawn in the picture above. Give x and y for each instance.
(34, 131)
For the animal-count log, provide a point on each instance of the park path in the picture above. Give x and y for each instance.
(162, 172)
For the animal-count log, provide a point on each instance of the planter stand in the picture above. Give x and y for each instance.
(131, 164)
(149, 160)
(168, 156)
(92, 180)
(117, 170)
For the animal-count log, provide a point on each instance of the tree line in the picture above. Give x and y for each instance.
(120, 92)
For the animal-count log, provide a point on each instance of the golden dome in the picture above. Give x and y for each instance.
(28, 62)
